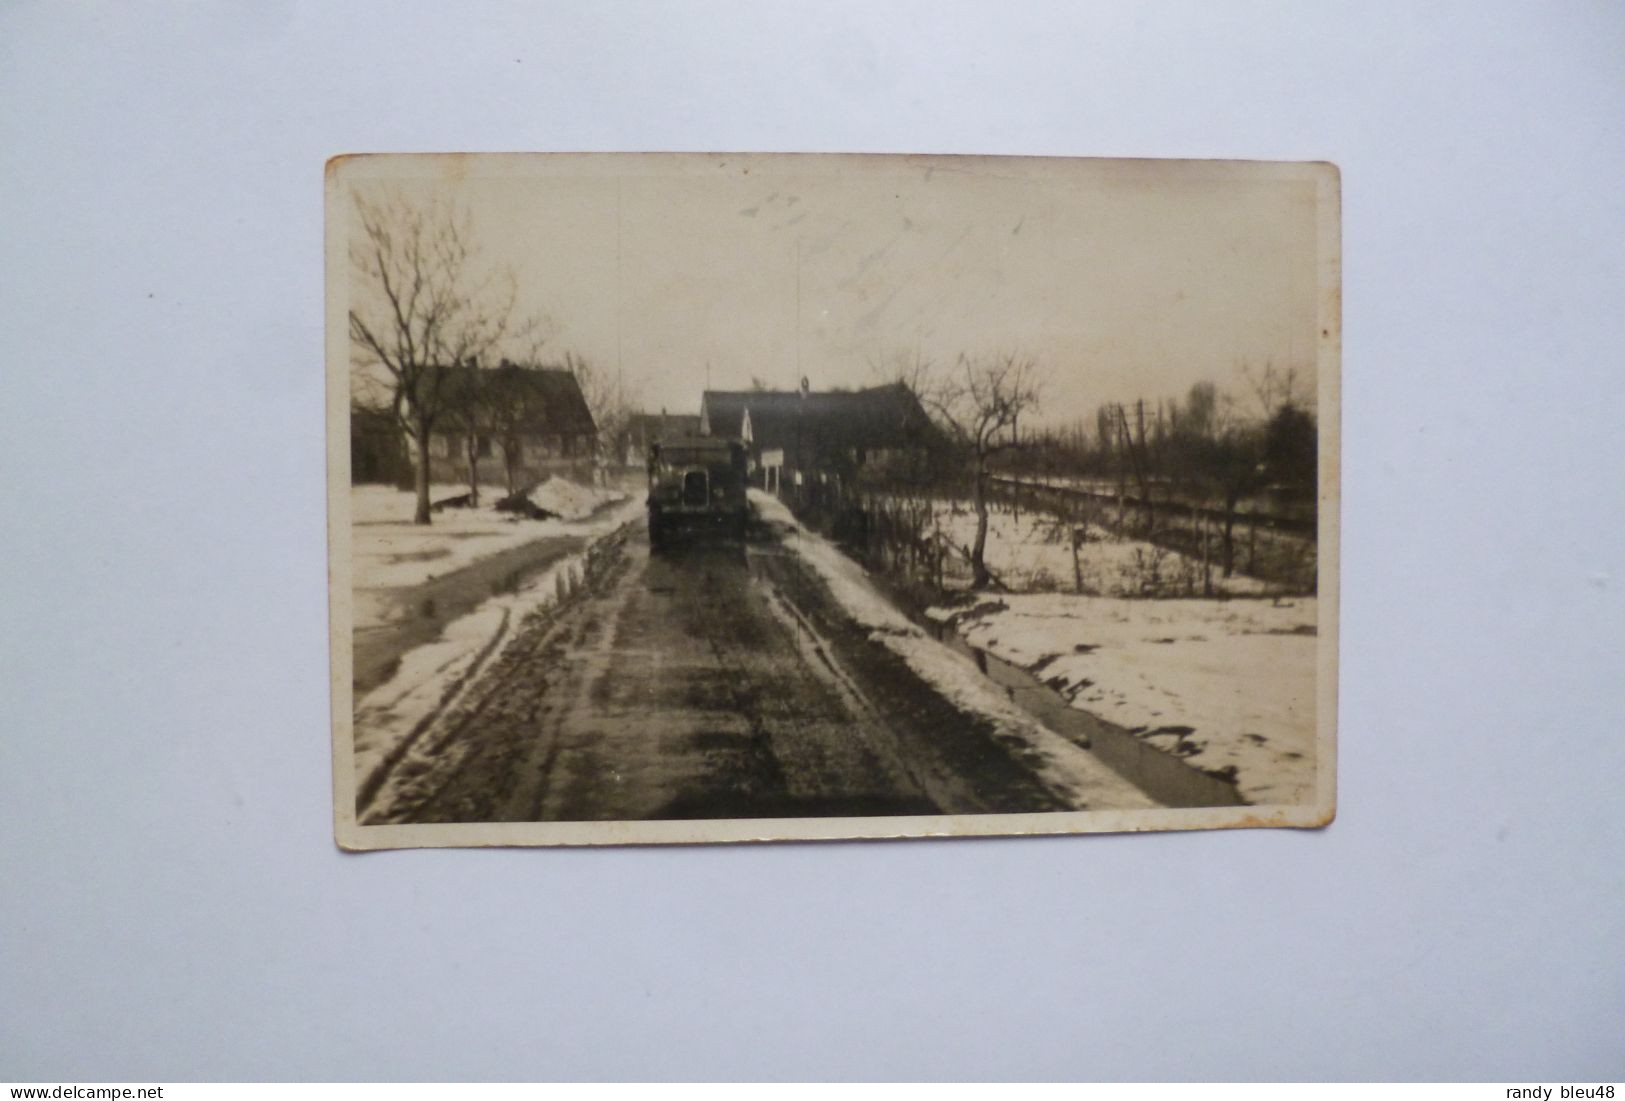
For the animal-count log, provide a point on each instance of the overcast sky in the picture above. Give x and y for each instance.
(1122, 279)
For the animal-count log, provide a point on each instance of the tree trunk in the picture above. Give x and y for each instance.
(1142, 469)
(509, 468)
(1207, 558)
(978, 561)
(1230, 501)
(421, 516)
(473, 446)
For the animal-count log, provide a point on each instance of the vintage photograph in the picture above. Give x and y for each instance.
(704, 497)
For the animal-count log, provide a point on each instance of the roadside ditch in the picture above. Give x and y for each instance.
(1162, 776)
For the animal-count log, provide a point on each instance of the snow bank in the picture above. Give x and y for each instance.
(389, 551)
(1066, 768)
(571, 500)
(1221, 683)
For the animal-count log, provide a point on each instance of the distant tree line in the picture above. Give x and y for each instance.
(1212, 447)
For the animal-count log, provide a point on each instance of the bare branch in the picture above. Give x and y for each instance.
(424, 308)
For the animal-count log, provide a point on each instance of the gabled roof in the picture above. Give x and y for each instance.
(879, 417)
(722, 412)
(550, 397)
(649, 427)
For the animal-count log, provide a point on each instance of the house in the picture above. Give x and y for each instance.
(527, 422)
(378, 450)
(838, 437)
(643, 430)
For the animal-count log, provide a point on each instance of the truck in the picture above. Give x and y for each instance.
(696, 490)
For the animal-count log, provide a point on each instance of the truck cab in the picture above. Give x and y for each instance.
(696, 490)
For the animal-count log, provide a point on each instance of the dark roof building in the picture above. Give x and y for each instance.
(548, 399)
(649, 427)
(530, 421)
(877, 418)
(840, 432)
(378, 450)
(646, 429)
(722, 412)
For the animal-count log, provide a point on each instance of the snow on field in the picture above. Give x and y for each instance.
(1221, 683)
(1033, 553)
(1248, 506)
(1071, 771)
(389, 551)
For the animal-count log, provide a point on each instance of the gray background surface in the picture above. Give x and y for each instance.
(172, 905)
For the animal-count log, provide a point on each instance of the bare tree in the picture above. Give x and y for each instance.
(1132, 447)
(512, 407)
(1275, 386)
(1235, 464)
(908, 368)
(604, 390)
(469, 410)
(1221, 452)
(1201, 409)
(1291, 449)
(424, 309)
(980, 403)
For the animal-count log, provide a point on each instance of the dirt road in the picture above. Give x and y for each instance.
(717, 682)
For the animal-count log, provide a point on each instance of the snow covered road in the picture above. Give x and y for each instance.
(723, 682)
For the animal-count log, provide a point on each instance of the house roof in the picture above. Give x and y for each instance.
(648, 427)
(550, 396)
(722, 412)
(879, 417)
